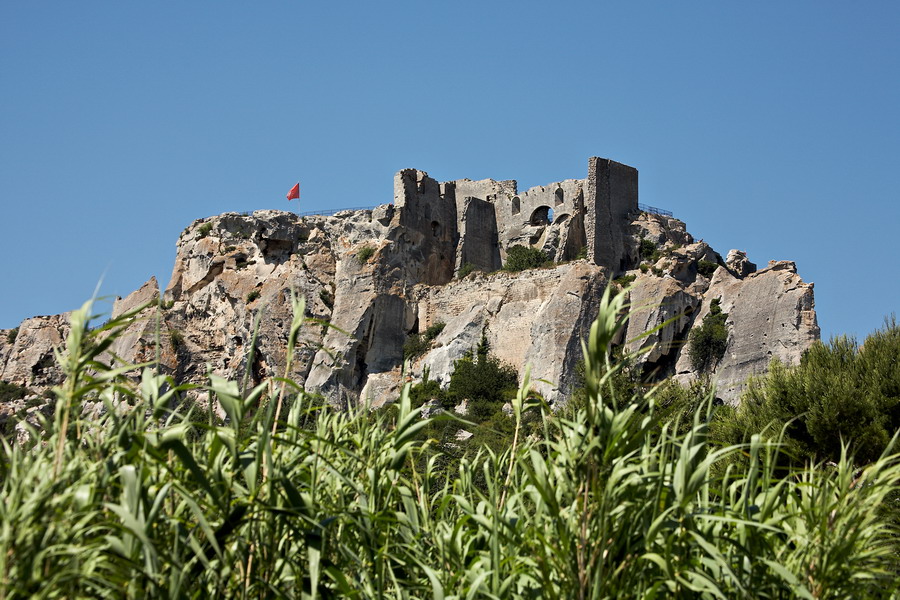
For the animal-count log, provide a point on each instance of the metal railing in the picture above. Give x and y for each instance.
(654, 210)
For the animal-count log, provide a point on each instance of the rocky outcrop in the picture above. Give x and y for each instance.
(536, 318)
(30, 361)
(371, 278)
(771, 315)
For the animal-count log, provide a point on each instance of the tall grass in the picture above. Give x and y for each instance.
(142, 500)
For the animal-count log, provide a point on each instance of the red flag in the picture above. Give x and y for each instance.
(294, 194)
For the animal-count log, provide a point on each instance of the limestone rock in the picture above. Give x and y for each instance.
(771, 315)
(535, 318)
(738, 263)
(658, 302)
(31, 361)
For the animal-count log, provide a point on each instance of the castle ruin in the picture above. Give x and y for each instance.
(476, 222)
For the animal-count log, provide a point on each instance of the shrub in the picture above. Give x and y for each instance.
(204, 230)
(425, 390)
(708, 342)
(649, 250)
(326, 297)
(520, 258)
(840, 393)
(644, 267)
(706, 268)
(167, 304)
(434, 330)
(465, 269)
(582, 253)
(240, 263)
(482, 378)
(364, 254)
(657, 271)
(625, 280)
(176, 339)
(11, 336)
(253, 295)
(11, 391)
(230, 249)
(417, 344)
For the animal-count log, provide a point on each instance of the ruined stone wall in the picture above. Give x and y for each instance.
(560, 237)
(611, 196)
(478, 240)
(560, 218)
(429, 219)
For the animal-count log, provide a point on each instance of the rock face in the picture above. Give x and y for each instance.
(371, 278)
(29, 360)
(771, 315)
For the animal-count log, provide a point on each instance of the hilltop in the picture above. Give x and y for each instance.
(431, 261)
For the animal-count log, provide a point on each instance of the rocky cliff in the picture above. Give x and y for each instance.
(372, 278)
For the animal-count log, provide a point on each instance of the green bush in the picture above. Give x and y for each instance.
(706, 268)
(840, 393)
(707, 343)
(326, 297)
(434, 330)
(520, 258)
(176, 339)
(624, 280)
(11, 336)
(482, 378)
(11, 391)
(649, 251)
(425, 390)
(204, 230)
(253, 295)
(644, 267)
(465, 269)
(417, 344)
(364, 254)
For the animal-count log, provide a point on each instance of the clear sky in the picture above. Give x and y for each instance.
(772, 127)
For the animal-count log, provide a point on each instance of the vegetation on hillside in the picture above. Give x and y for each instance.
(288, 498)
(708, 342)
(419, 343)
(840, 394)
(520, 258)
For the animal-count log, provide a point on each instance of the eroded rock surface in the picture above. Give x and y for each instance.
(771, 315)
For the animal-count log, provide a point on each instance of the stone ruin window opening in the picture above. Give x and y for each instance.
(516, 205)
(542, 215)
(559, 197)
(436, 229)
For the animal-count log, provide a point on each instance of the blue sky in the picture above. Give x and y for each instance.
(772, 127)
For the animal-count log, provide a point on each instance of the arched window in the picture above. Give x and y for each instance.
(560, 199)
(542, 215)
(516, 205)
